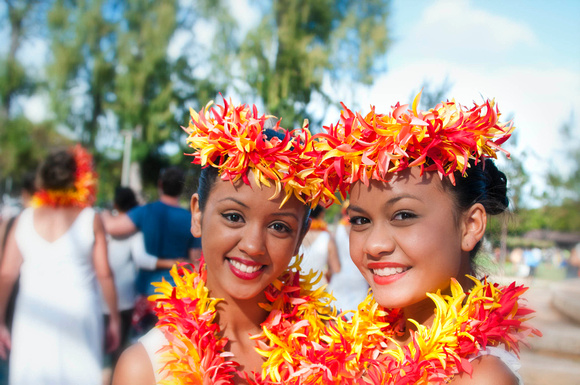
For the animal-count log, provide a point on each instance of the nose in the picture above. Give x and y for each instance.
(252, 242)
(379, 242)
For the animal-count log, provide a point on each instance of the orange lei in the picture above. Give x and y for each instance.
(85, 185)
(195, 352)
(356, 351)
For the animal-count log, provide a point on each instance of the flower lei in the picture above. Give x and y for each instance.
(318, 224)
(442, 139)
(84, 190)
(232, 139)
(356, 351)
(195, 352)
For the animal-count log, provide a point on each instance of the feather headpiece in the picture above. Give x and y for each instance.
(234, 140)
(442, 139)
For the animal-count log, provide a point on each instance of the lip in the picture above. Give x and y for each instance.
(388, 279)
(245, 261)
(243, 274)
(381, 265)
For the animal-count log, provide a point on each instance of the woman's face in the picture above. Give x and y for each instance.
(406, 238)
(247, 239)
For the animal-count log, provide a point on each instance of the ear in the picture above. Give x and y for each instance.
(302, 235)
(196, 215)
(473, 226)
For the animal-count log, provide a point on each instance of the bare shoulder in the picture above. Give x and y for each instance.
(487, 370)
(134, 367)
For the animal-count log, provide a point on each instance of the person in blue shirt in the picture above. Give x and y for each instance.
(165, 226)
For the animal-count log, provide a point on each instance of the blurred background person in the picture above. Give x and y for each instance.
(319, 249)
(126, 255)
(348, 286)
(26, 194)
(59, 248)
(166, 231)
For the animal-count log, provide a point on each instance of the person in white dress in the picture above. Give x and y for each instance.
(59, 248)
(319, 253)
(349, 287)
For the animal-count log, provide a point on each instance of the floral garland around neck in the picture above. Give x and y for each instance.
(195, 351)
(359, 351)
(82, 194)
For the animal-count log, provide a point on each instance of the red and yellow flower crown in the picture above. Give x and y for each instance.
(442, 139)
(232, 139)
(83, 192)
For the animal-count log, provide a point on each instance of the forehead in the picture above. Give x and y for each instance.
(408, 182)
(258, 195)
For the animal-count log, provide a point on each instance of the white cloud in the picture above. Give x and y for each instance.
(459, 19)
(461, 33)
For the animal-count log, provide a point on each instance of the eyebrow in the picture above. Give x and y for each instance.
(286, 214)
(390, 202)
(235, 201)
(282, 213)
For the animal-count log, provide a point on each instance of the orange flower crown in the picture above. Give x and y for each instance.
(442, 139)
(83, 193)
(232, 139)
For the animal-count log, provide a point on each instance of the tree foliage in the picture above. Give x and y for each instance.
(300, 43)
(138, 65)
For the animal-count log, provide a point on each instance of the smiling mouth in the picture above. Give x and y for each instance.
(243, 267)
(388, 271)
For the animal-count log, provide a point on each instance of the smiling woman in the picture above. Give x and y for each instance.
(251, 212)
(421, 186)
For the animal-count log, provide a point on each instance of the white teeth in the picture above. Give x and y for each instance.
(245, 268)
(386, 271)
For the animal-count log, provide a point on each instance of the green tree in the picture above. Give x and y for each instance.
(564, 182)
(20, 16)
(22, 143)
(298, 43)
(562, 197)
(110, 73)
(81, 71)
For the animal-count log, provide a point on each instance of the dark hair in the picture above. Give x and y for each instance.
(57, 172)
(28, 183)
(209, 174)
(125, 199)
(484, 184)
(315, 213)
(172, 181)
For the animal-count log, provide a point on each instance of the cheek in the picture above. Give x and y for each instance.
(356, 242)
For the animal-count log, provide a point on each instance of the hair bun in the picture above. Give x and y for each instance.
(58, 171)
(496, 188)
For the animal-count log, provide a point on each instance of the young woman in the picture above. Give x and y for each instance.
(421, 187)
(59, 248)
(251, 212)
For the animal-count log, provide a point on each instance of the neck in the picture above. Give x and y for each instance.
(169, 200)
(239, 318)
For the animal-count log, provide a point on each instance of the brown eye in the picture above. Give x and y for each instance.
(402, 215)
(358, 221)
(232, 217)
(280, 227)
